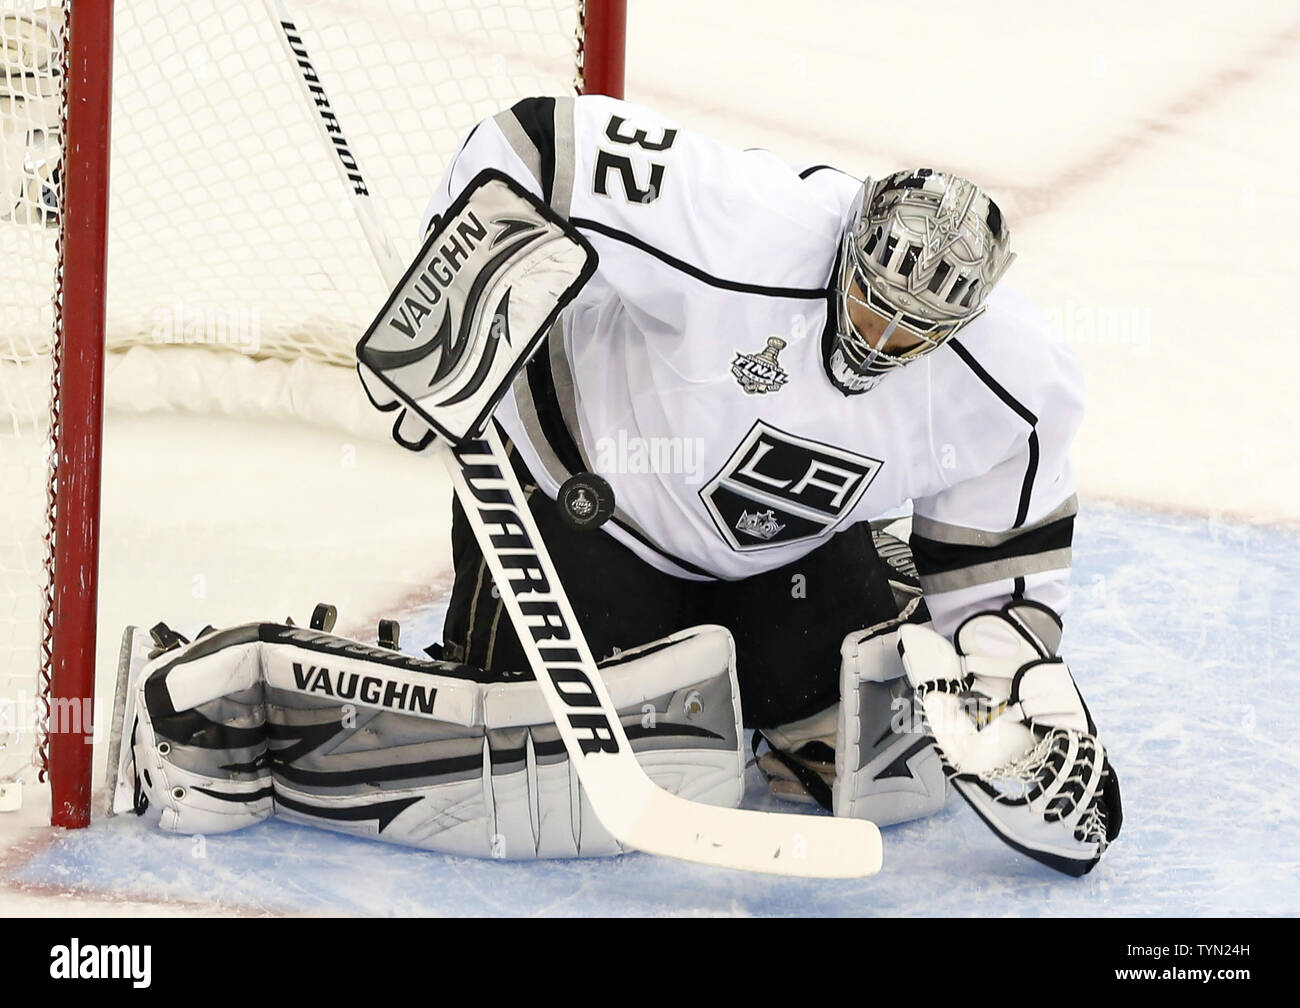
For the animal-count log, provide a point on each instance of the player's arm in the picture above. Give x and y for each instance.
(976, 548)
(1004, 529)
(500, 259)
(999, 700)
(596, 158)
(664, 206)
(508, 142)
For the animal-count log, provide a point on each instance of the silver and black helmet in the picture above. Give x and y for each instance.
(922, 249)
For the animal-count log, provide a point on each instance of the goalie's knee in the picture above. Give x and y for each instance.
(195, 734)
(868, 757)
(887, 768)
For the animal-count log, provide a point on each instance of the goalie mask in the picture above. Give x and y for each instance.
(921, 249)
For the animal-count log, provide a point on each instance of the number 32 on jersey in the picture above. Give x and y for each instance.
(615, 169)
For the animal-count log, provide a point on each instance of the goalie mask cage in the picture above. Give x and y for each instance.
(217, 198)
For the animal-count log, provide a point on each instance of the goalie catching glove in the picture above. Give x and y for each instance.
(1015, 735)
(271, 719)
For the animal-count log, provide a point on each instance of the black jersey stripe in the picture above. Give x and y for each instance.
(934, 557)
(541, 383)
(1027, 488)
(1019, 408)
(804, 293)
(536, 116)
(1022, 411)
(672, 558)
(452, 168)
(814, 169)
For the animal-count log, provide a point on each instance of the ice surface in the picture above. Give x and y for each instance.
(1185, 641)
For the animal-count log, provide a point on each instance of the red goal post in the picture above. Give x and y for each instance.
(77, 414)
(83, 334)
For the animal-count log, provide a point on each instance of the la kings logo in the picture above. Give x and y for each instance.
(778, 488)
(760, 372)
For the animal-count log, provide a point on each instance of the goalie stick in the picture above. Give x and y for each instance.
(636, 811)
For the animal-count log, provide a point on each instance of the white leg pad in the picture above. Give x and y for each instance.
(266, 719)
(886, 768)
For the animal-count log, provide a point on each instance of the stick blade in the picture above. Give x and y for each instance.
(773, 843)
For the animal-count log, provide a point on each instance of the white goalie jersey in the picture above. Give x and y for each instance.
(689, 372)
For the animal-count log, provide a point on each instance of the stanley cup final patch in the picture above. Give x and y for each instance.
(760, 372)
(778, 488)
(478, 299)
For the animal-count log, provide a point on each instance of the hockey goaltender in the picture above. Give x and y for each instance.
(866, 560)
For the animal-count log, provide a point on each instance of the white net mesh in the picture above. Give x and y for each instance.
(229, 233)
(31, 110)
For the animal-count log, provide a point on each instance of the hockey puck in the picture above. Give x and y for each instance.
(586, 501)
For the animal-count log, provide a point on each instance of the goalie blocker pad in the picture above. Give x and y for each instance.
(469, 312)
(266, 719)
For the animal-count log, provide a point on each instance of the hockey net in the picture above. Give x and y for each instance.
(237, 275)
